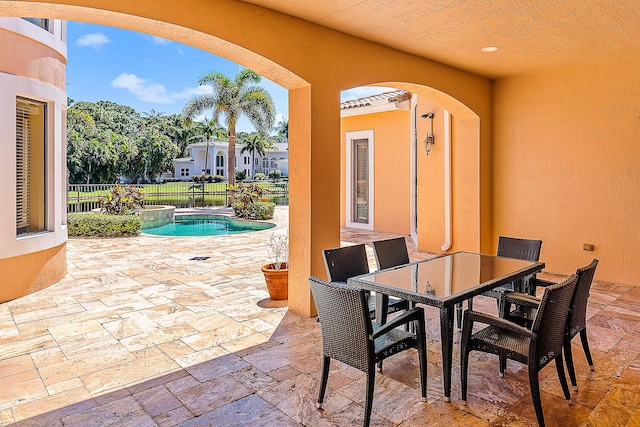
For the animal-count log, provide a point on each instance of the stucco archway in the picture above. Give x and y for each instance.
(415, 192)
(315, 64)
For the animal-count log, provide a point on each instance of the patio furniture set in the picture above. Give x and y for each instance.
(354, 304)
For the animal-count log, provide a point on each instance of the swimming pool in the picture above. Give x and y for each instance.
(207, 225)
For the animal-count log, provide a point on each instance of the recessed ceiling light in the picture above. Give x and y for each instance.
(489, 49)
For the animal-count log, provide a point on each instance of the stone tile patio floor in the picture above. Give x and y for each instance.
(138, 334)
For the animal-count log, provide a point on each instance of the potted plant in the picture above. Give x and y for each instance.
(276, 274)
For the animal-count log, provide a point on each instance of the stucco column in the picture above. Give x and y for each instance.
(314, 189)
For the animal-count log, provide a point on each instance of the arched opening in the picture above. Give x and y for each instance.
(203, 162)
(390, 183)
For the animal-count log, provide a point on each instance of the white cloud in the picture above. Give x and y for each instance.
(94, 40)
(159, 40)
(148, 91)
(362, 91)
(180, 51)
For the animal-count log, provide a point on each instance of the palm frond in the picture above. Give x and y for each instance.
(197, 105)
(245, 77)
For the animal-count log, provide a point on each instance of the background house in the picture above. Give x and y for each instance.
(216, 157)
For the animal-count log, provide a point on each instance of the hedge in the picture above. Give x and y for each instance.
(257, 210)
(101, 225)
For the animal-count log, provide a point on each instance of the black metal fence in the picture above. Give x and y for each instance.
(84, 197)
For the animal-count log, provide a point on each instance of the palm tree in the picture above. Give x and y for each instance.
(256, 143)
(180, 131)
(282, 131)
(231, 99)
(207, 130)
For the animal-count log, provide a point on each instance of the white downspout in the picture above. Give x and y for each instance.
(447, 182)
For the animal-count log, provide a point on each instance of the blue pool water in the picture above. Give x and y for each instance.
(207, 225)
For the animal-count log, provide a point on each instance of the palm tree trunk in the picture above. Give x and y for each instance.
(231, 168)
(253, 172)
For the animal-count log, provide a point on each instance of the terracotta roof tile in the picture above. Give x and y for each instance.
(393, 96)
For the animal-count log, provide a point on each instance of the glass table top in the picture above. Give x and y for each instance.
(447, 277)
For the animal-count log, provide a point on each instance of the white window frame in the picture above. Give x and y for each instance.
(24, 191)
(349, 138)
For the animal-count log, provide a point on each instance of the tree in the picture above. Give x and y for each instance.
(231, 99)
(105, 139)
(157, 152)
(180, 131)
(256, 143)
(91, 148)
(207, 131)
(282, 131)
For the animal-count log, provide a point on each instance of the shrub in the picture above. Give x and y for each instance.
(241, 174)
(278, 250)
(256, 210)
(275, 174)
(208, 178)
(247, 204)
(122, 200)
(101, 225)
(259, 176)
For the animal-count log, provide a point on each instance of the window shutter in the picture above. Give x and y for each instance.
(23, 138)
(30, 167)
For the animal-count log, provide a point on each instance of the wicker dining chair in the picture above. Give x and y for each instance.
(524, 249)
(535, 348)
(577, 324)
(510, 247)
(390, 253)
(349, 335)
(349, 261)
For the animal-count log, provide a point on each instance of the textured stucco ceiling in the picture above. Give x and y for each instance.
(531, 36)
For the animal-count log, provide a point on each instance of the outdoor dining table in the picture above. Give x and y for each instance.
(443, 282)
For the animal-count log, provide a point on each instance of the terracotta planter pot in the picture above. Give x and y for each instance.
(277, 282)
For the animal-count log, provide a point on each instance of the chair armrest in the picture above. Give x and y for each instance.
(471, 316)
(409, 316)
(535, 282)
(522, 300)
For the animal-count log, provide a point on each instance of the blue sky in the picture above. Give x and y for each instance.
(150, 73)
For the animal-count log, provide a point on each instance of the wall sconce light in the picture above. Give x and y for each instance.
(428, 139)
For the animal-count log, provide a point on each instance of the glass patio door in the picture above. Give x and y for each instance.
(360, 184)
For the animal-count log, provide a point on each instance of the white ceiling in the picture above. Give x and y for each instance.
(531, 35)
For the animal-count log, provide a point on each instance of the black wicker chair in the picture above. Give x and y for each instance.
(577, 324)
(349, 261)
(390, 253)
(535, 348)
(510, 247)
(349, 335)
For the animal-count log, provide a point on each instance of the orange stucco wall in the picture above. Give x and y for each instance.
(392, 133)
(37, 62)
(465, 181)
(29, 273)
(566, 165)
